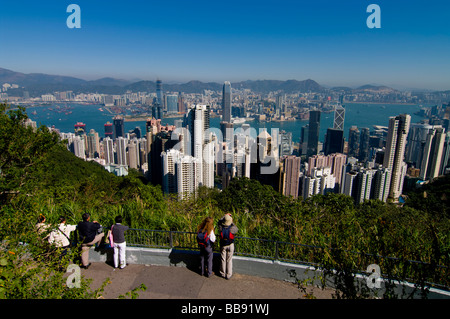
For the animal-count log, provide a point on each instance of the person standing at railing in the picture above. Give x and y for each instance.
(205, 239)
(227, 231)
(118, 242)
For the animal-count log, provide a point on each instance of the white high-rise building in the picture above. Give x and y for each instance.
(394, 153)
(381, 184)
(133, 154)
(79, 146)
(190, 163)
(121, 150)
(188, 176)
(108, 147)
(169, 178)
(432, 154)
(364, 186)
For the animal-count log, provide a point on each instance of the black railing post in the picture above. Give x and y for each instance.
(276, 250)
(170, 239)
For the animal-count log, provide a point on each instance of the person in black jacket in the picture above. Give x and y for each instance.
(227, 232)
(90, 233)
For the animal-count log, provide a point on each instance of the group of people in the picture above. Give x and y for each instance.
(206, 237)
(90, 233)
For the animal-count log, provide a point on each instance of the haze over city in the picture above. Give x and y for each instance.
(178, 41)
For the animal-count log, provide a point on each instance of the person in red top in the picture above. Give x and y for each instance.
(206, 249)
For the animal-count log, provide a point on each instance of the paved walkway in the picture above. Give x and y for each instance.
(164, 282)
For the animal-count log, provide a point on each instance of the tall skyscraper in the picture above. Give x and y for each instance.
(171, 103)
(181, 173)
(290, 176)
(417, 138)
(159, 94)
(197, 121)
(363, 189)
(313, 134)
(109, 130)
(79, 146)
(339, 116)
(432, 156)
(395, 151)
(121, 150)
(286, 147)
(445, 154)
(381, 182)
(353, 142)
(93, 144)
(133, 158)
(364, 139)
(334, 141)
(108, 150)
(226, 102)
(181, 108)
(119, 127)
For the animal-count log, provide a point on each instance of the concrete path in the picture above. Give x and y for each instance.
(164, 282)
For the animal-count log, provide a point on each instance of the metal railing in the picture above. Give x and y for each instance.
(277, 250)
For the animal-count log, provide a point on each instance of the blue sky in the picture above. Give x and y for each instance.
(327, 41)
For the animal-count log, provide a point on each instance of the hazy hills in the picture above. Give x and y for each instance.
(39, 83)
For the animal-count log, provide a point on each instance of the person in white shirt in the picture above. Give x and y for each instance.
(60, 236)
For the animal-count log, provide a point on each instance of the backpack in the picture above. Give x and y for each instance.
(203, 239)
(226, 237)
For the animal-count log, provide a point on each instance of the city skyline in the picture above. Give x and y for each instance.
(181, 41)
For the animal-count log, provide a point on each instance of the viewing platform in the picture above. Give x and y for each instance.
(165, 282)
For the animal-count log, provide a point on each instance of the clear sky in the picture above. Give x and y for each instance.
(327, 41)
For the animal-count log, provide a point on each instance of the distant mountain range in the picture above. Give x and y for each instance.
(39, 83)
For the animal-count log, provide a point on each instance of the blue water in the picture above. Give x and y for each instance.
(361, 115)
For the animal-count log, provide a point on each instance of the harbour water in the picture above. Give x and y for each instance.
(64, 116)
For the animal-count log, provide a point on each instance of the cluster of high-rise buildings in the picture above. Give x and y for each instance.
(190, 153)
(373, 165)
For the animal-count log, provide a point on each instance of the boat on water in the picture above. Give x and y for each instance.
(238, 120)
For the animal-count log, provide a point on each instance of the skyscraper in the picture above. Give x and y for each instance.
(181, 108)
(364, 139)
(363, 189)
(313, 134)
(353, 142)
(290, 176)
(381, 182)
(445, 154)
(118, 122)
(93, 144)
(159, 94)
(395, 151)
(432, 155)
(226, 102)
(109, 130)
(334, 141)
(108, 150)
(121, 150)
(339, 116)
(172, 103)
(417, 138)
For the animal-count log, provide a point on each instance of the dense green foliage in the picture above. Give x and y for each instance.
(40, 177)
